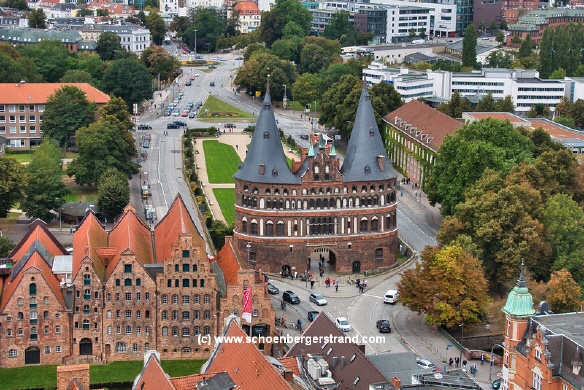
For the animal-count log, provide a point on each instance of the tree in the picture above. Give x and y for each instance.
(525, 49)
(500, 37)
(160, 62)
(76, 76)
(284, 18)
(37, 18)
(51, 58)
(13, 181)
(313, 59)
(84, 12)
(100, 148)
(503, 25)
(20, 5)
(128, 79)
(66, 111)
(455, 106)
(576, 112)
(108, 46)
(558, 74)
(493, 26)
(447, 285)
(486, 104)
(113, 192)
(116, 112)
(101, 12)
(505, 105)
(6, 247)
(258, 67)
(45, 191)
(341, 29)
(271, 27)
(469, 47)
(286, 49)
(463, 157)
(307, 88)
(157, 27)
(563, 294)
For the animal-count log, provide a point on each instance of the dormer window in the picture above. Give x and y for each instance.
(274, 172)
(367, 169)
(266, 135)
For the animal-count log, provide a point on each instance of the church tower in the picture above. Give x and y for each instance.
(345, 212)
(518, 310)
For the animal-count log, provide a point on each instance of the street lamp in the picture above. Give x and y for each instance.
(60, 213)
(208, 49)
(461, 342)
(491, 368)
(196, 41)
(249, 74)
(284, 100)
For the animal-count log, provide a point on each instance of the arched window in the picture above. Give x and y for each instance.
(374, 225)
(363, 225)
(325, 203)
(175, 330)
(318, 203)
(244, 226)
(269, 203)
(280, 229)
(388, 223)
(121, 347)
(269, 228)
(32, 289)
(165, 331)
(254, 203)
(254, 228)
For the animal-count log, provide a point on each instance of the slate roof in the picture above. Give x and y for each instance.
(266, 150)
(365, 145)
(402, 365)
(244, 363)
(35, 35)
(346, 361)
(176, 221)
(38, 93)
(429, 121)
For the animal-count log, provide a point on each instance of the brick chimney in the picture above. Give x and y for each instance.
(396, 382)
(288, 376)
(361, 348)
(68, 374)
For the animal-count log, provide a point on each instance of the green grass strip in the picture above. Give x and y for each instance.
(226, 199)
(215, 105)
(222, 161)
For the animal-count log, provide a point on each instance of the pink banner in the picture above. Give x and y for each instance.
(247, 304)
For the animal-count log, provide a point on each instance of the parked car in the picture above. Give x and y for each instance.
(146, 143)
(230, 126)
(192, 114)
(198, 105)
(192, 77)
(175, 113)
(391, 296)
(212, 84)
(273, 290)
(304, 136)
(290, 297)
(212, 67)
(343, 324)
(148, 136)
(426, 364)
(198, 57)
(197, 74)
(238, 58)
(383, 326)
(180, 123)
(167, 112)
(172, 126)
(144, 126)
(185, 113)
(312, 315)
(188, 83)
(318, 299)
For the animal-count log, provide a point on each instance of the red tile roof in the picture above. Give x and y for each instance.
(36, 261)
(244, 363)
(176, 221)
(190, 382)
(290, 363)
(38, 93)
(428, 121)
(89, 236)
(153, 376)
(554, 130)
(246, 6)
(502, 116)
(37, 230)
(227, 260)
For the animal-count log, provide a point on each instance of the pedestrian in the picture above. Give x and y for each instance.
(450, 362)
(312, 284)
(337, 285)
(236, 147)
(482, 359)
(70, 228)
(456, 361)
(299, 324)
(464, 363)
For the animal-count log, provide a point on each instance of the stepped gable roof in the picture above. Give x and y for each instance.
(244, 363)
(265, 161)
(427, 120)
(34, 261)
(130, 232)
(176, 221)
(227, 261)
(350, 364)
(153, 376)
(519, 301)
(38, 93)
(365, 145)
(37, 233)
(87, 239)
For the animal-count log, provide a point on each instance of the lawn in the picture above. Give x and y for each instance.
(46, 376)
(226, 199)
(222, 161)
(221, 110)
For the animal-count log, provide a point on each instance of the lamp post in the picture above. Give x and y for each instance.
(248, 246)
(249, 74)
(60, 212)
(461, 342)
(196, 41)
(491, 360)
(284, 100)
(208, 47)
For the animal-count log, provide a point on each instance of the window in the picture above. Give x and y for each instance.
(109, 329)
(118, 282)
(21, 108)
(536, 381)
(86, 309)
(186, 267)
(117, 297)
(118, 329)
(128, 314)
(31, 108)
(138, 314)
(207, 330)
(147, 295)
(363, 226)
(57, 329)
(186, 315)
(186, 283)
(164, 315)
(8, 332)
(185, 253)
(207, 299)
(128, 297)
(2, 108)
(20, 332)
(175, 299)
(196, 331)
(13, 353)
(186, 299)
(135, 347)
(186, 332)
(127, 282)
(196, 299)
(86, 279)
(108, 297)
(202, 283)
(138, 282)
(47, 330)
(196, 315)
(379, 253)
(164, 331)
(175, 331)
(128, 329)
(58, 349)
(164, 299)
(32, 118)
(33, 317)
(121, 347)
(207, 314)
(32, 289)
(175, 315)
(47, 350)
(146, 346)
(128, 268)
(20, 301)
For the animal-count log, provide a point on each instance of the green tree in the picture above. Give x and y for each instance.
(108, 46)
(463, 157)
(209, 26)
(271, 27)
(447, 285)
(307, 88)
(563, 294)
(218, 230)
(286, 49)
(455, 106)
(313, 59)
(13, 182)
(493, 26)
(256, 70)
(128, 79)
(558, 74)
(503, 25)
(505, 105)
(84, 12)
(286, 18)
(113, 193)
(37, 18)
(469, 47)
(45, 191)
(157, 27)
(101, 12)
(66, 111)
(526, 47)
(500, 37)
(576, 112)
(341, 29)
(20, 5)
(364, 38)
(100, 148)
(159, 62)
(51, 58)
(76, 76)
(6, 247)
(579, 72)
(486, 104)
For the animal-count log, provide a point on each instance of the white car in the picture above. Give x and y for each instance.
(343, 324)
(318, 299)
(425, 364)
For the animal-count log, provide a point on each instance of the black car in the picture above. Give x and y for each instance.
(212, 84)
(180, 123)
(304, 136)
(312, 315)
(383, 326)
(273, 290)
(188, 83)
(290, 297)
(144, 126)
(172, 126)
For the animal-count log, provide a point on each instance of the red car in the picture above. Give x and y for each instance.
(192, 77)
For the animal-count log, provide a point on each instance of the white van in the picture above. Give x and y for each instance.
(391, 296)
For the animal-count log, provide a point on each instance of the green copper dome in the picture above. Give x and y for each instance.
(519, 301)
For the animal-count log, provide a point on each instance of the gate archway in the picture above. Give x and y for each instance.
(32, 355)
(85, 347)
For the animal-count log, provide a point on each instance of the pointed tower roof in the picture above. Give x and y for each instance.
(265, 161)
(333, 151)
(362, 161)
(311, 150)
(519, 301)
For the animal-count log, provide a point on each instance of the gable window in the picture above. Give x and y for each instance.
(186, 253)
(32, 289)
(127, 268)
(127, 282)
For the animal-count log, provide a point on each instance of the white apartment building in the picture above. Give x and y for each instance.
(132, 37)
(524, 86)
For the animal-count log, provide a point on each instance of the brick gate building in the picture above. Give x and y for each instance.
(346, 210)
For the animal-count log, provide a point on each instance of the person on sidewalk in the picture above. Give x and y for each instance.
(299, 324)
(482, 359)
(337, 285)
(312, 284)
(450, 362)
(456, 361)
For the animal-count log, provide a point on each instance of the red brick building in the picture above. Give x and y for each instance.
(347, 212)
